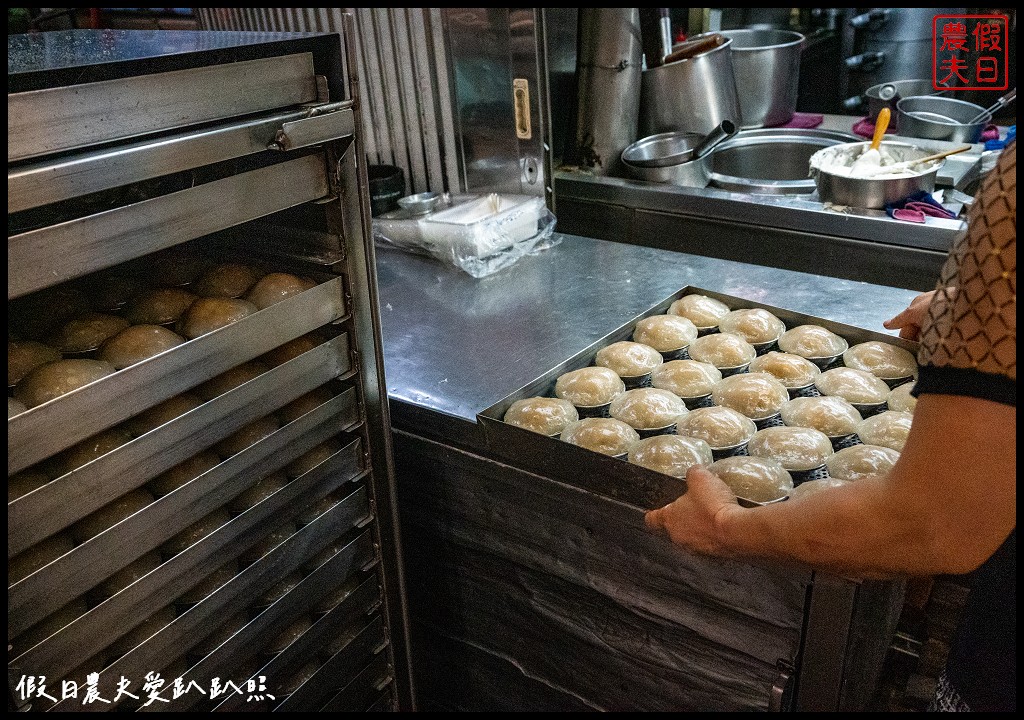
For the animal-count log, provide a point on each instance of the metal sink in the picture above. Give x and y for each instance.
(773, 161)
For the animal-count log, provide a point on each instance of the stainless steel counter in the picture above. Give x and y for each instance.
(456, 345)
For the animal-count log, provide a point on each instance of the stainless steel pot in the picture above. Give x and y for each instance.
(691, 173)
(939, 118)
(691, 95)
(875, 192)
(766, 65)
(771, 161)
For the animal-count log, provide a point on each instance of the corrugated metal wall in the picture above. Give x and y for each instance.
(407, 98)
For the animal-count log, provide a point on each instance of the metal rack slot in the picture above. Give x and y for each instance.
(51, 181)
(59, 582)
(102, 404)
(63, 118)
(111, 619)
(108, 238)
(363, 690)
(199, 621)
(358, 605)
(346, 662)
(46, 510)
(246, 642)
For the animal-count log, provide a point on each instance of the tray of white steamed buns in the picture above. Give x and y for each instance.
(776, 403)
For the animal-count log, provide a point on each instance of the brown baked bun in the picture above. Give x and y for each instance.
(138, 343)
(160, 306)
(275, 287)
(51, 380)
(24, 356)
(87, 332)
(212, 313)
(230, 280)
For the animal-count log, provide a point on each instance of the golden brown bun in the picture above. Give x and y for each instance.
(87, 332)
(670, 454)
(111, 514)
(230, 379)
(38, 314)
(607, 436)
(159, 307)
(861, 461)
(686, 378)
(755, 325)
(183, 473)
(753, 478)
(544, 415)
(797, 448)
(719, 427)
(647, 408)
(855, 386)
(51, 380)
(701, 310)
(24, 356)
(138, 343)
(305, 404)
(230, 280)
(793, 371)
(92, 448)
(589, 386)
(812, 341)
(291, 350)
(723, 350)
(757, 395)
(305, 463)
(889, 429)
(881, 359)
(208, 314)
(275, 287)
(628, 359)
(665, 333)
(900, 398)
(166, 411)
(249, 435)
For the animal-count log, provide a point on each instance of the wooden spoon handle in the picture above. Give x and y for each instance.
(945, 153)
(881, 125)
(694, 47)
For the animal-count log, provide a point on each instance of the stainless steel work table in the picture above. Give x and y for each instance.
(518, 582)
(455, 345)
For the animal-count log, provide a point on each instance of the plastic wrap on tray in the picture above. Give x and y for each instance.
(479, 234)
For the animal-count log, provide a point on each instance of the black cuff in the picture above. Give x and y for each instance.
(965, 381)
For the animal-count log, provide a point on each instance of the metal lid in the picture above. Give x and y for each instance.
(420, 203)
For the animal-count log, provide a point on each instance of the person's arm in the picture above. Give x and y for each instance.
(946, 506)
(950, 501)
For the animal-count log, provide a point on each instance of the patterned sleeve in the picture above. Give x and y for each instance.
(969, 337)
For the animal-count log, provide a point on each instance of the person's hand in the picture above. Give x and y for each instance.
(690, 519)
(909, 321)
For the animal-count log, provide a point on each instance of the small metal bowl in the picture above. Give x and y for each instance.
(420, 203)
(940, 118)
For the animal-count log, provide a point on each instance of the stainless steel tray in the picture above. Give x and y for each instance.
(601, 474)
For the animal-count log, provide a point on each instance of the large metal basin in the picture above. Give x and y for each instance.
(771, 161)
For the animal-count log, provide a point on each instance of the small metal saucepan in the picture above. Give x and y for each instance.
(680, 158)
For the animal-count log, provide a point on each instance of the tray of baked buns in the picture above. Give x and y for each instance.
(775, 402)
